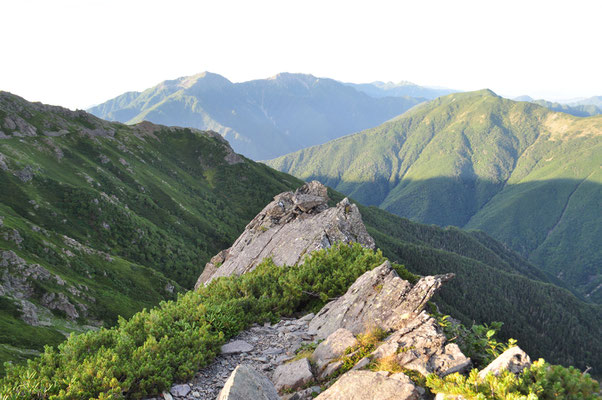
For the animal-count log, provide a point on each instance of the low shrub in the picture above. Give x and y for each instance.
(540, 381)
(147, 353)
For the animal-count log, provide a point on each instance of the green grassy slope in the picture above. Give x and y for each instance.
(125, 216)
(528, 176)
(263, 118)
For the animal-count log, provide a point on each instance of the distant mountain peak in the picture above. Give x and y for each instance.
(205, 77)
(391, 85)
(523, 98)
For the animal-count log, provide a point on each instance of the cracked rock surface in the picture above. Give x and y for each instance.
(288, 228)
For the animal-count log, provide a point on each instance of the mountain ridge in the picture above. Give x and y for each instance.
(261, 118)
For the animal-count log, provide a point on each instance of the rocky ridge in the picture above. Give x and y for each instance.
(328, 350)
(289, 357)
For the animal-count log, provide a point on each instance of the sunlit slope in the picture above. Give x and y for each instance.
(525, 174)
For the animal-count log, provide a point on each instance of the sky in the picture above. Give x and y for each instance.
(77, 53)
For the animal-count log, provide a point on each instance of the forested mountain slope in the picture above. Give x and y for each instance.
(493, 283)
(263, 118)
(578, 110)
(528, 176)
(101, 219)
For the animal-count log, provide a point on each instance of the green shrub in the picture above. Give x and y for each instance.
(540, 381)
(147, 353)
(477, 342)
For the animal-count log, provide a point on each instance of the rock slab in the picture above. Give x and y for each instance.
(245, 384)
(293, 375)
(368, 385)
(237, 346)
(333, 348)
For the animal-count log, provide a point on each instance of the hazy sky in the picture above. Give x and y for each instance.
(79, 52)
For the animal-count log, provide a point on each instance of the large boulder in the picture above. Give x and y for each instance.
(293, 375)
(245, 383)
(368, 385)
(333, 348)
(514, 360)
(378, 298)
(287, 229)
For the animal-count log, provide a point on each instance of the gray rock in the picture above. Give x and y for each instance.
(307, 318)
(237, 346)
(293, 375)
(514, 360)
(378, 298)
(180, 390)
(420, 345)
(58, 301)
(368, 385)
(3, 165)
(287, 229)
(361, 364)
(245, 384)
(330, 369)
(305, 394)
(26, 174)
(167, 396)
(332, 348)
(449, 360)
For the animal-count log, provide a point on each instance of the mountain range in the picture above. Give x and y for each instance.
(262, 118)
(100, 219)
(577, 109)
(528, 176)
(400, 89)
(588, 101)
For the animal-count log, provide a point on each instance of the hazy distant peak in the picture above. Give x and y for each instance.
(523, 98)
(391, 85)
(205, 79)
(291, 79)
(486, 92)
(400, 89)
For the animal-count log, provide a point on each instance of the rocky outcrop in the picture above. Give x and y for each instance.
(3, 165)
(368, 385)
(421, 346)
(379, 298)
(514, 360)
(18, 281)
(245, 384)
(287, 229)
